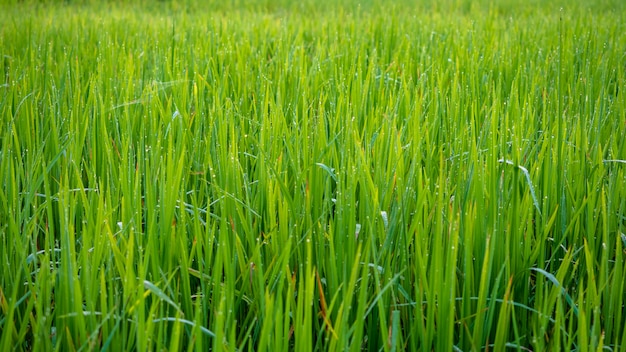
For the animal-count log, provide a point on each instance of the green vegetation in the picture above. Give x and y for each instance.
(274, 176)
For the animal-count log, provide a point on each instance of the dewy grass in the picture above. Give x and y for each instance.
(280, 176)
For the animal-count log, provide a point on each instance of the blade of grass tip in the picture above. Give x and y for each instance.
(330, 170)
(530, 184)
(383, 214)
(553, 279)
(157, 291)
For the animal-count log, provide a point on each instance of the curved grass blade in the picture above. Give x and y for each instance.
(187, 322)
(328, 169)
(157, 291)
(530, 184)
(553, 279)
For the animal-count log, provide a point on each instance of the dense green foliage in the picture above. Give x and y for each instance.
(292, 176)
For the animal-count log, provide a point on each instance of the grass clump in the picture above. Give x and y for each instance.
(282, 176)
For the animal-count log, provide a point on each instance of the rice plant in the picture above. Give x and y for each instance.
(274, 175)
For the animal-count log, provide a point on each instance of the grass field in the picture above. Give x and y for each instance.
(273, 175)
